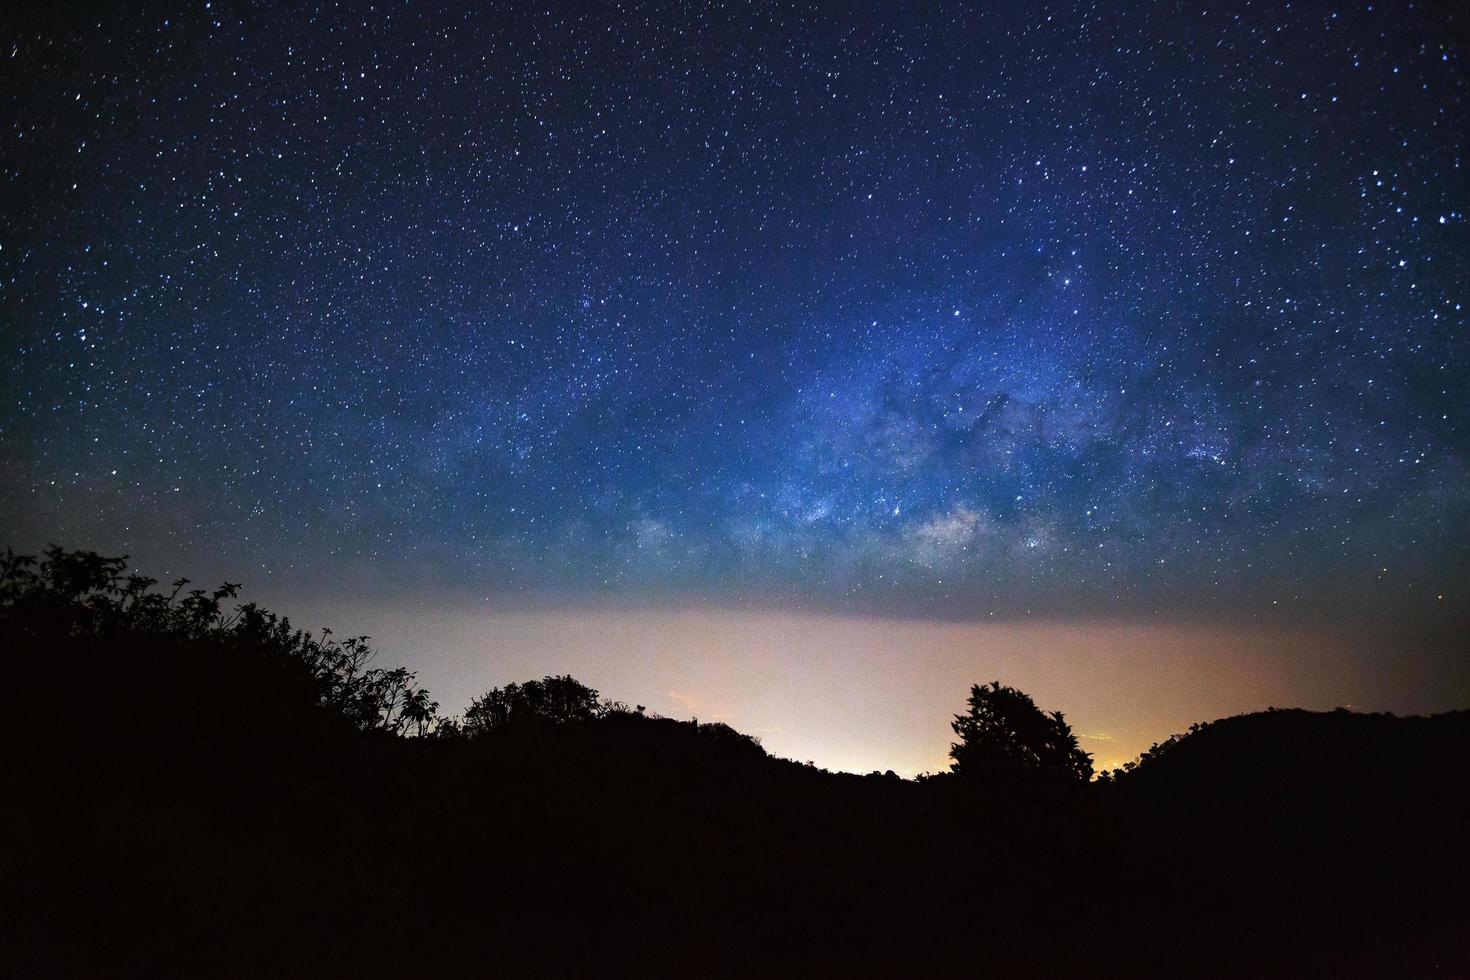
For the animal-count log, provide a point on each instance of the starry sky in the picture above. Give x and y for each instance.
(1138, 315)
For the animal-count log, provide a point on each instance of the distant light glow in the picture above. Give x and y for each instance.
(860, 694)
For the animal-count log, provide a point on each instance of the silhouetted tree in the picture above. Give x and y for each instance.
(89, 598)
(552, 700)
(1003, 729)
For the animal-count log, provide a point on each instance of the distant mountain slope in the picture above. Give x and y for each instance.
(1340, 834)
(1300, 755)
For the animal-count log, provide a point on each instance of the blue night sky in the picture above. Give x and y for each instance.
(1044, 310)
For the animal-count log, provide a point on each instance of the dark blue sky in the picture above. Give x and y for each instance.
(1051, 308)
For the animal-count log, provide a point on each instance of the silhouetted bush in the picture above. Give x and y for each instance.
(719, 732)
(93, 603)
(1153, 753)
(551, 701)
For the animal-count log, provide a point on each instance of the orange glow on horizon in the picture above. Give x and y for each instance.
(858, 694)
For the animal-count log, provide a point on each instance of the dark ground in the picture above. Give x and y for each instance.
(169, 813)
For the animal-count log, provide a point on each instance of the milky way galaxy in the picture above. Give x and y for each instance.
(1043, 310)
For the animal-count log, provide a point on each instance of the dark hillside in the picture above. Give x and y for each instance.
(195, 791)
(1346, 829)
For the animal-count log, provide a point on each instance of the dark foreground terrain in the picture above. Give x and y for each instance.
(183, 800)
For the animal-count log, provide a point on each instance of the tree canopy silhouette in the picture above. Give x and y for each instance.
(1004, 730)
(102, 612)
(550, 701)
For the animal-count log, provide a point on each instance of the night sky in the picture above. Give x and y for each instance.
(1047, 316)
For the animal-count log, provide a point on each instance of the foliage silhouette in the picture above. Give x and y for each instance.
(554, 700)
(1003, 731)
(84, 596)
(196, 790)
